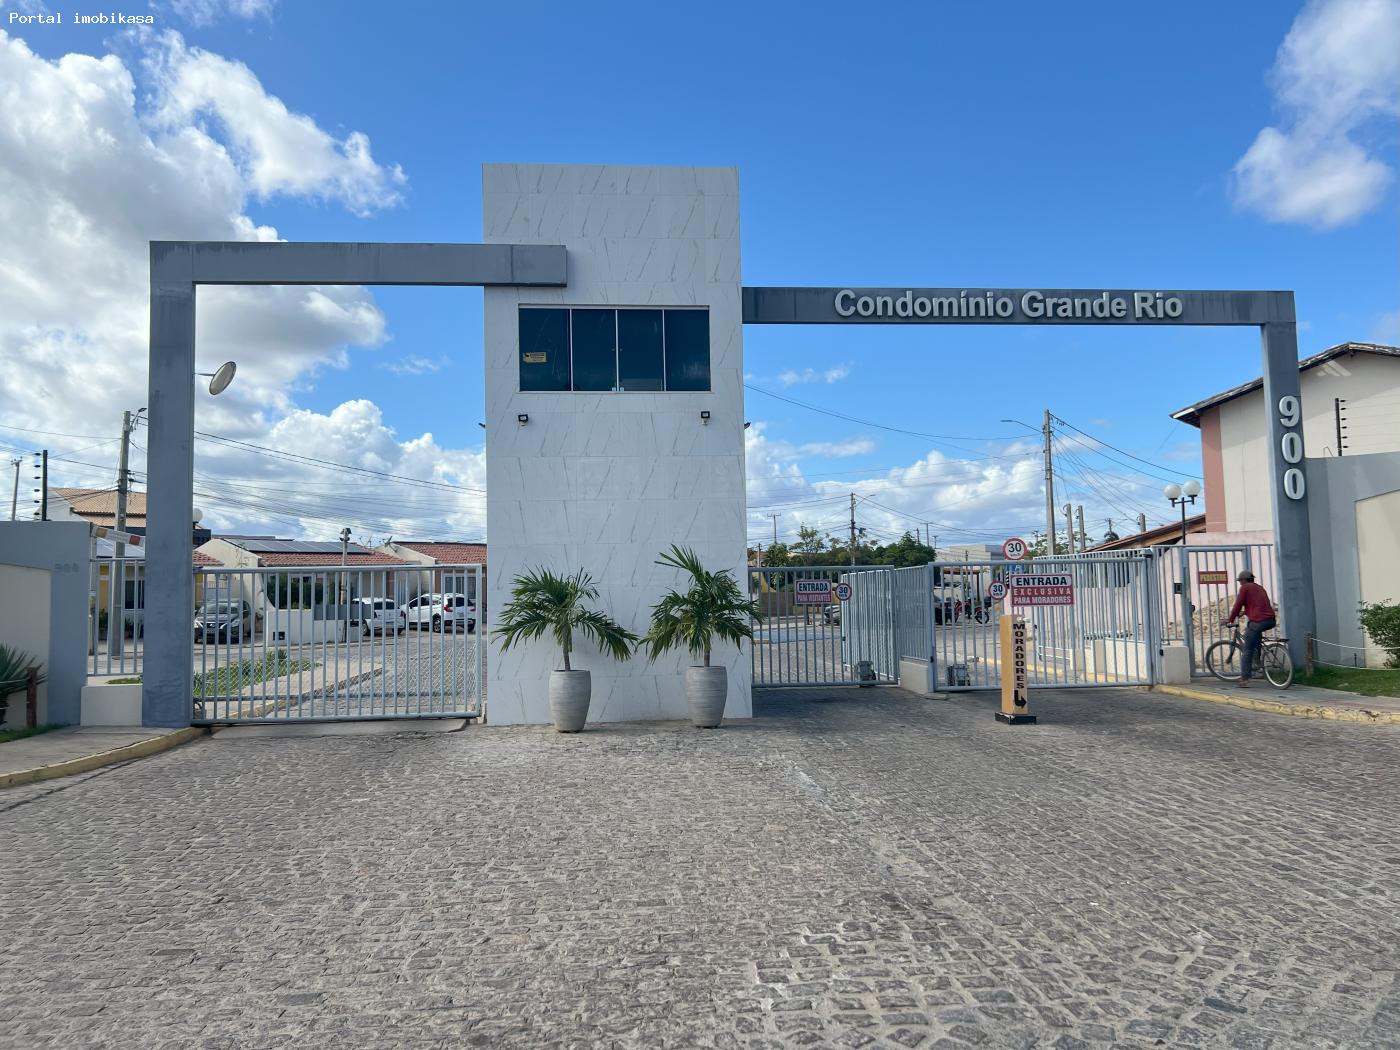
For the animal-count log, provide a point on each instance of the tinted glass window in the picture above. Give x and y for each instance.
(639, 359)
(544, 349)
(595, 349)
(687, 350)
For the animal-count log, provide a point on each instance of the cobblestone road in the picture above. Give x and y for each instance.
(875, 870)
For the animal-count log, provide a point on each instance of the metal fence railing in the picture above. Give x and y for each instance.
(312, 644)
(808, 635)
(116, 615)
(309, 643)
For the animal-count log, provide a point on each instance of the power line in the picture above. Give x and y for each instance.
(944, 438)
(1120, 451)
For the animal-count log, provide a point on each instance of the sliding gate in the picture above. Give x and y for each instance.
(824, 625)
(1096, 623)
(295, 644)
(1097, 626)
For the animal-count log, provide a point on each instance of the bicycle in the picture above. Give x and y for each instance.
(1273, 659)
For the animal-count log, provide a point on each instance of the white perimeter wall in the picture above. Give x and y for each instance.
(1369, 385)
(606, 481)
(24, 625)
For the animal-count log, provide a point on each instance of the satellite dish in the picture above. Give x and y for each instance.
(222, 378)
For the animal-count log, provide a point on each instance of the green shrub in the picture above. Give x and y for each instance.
(1381, 621)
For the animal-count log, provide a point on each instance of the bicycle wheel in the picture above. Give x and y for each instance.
(1222, 661)
(1278, 665)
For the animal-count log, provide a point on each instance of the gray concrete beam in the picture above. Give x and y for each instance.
(278, 262)
(818, 306)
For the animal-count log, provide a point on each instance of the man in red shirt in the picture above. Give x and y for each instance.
(1254, 601)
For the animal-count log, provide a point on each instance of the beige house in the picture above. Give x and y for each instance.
(450, 553)
(1351, 401)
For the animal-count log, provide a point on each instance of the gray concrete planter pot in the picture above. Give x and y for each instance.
(569, 693)
(706, 689)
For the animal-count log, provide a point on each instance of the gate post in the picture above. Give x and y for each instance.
(928, 611)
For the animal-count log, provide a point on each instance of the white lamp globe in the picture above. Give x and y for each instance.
(197, 516)
(1172, 491)
(1192, 488)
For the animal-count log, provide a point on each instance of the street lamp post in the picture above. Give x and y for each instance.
(344, 557)
(1182, 496)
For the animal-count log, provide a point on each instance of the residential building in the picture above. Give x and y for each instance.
(314, 557)
(1351, 401)
(98, 506)
(438, 552)
(1351, 434)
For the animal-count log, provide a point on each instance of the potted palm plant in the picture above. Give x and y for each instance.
(711, 609)
(543, 602)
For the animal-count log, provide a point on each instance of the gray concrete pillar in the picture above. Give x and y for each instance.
(1288, 470)
(168, 670)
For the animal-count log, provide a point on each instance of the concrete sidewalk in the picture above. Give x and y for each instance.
(79, 749)
(1301, 701)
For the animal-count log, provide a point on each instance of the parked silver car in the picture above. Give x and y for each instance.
(375, 616)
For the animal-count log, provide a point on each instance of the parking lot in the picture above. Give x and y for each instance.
(850, 868)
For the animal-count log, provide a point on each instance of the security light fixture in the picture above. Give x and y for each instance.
(747, 424)
(705, 416)
(522, 419)
(220, 379)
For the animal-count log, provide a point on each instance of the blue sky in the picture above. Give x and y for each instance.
(1035, 145)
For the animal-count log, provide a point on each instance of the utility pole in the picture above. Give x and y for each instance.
(116, 634)
(853, 528)
(1083, 536)
(1049, 490)
(14, 495)
(1069, 526)
(775, 529)
(1142, 523)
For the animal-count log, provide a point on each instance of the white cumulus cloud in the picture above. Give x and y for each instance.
(277, 151)
(415, 365)
(811, 375)
(1336, 81)
(91, 172)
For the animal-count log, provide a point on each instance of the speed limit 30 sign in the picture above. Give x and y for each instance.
(1014, 549)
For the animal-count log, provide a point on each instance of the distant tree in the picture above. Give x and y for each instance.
(809, 540)
(905, 551)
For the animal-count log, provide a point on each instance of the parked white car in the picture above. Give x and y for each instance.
(375, 616)
(441, 612)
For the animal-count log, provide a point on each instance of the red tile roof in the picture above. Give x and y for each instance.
(99, 506)
(328, 561)
(200, 558)
(1162, 534)
(447, 552)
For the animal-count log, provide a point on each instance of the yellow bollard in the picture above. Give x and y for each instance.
(1015, 694)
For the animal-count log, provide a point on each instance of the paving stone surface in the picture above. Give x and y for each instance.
(850, 869)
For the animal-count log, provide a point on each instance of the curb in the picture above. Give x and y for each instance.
(73, 766)
(1278, 707)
